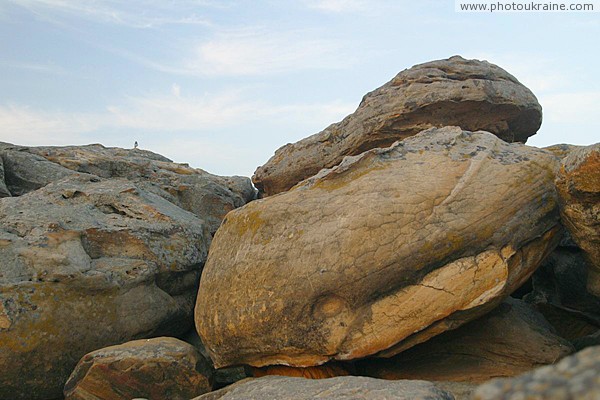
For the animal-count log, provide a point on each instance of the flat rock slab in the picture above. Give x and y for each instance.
(341, 388)
(155, 369)
(574, 377)
(88, 263)
(510, 340)
(472, 94)
(381, 253)
(578, 185)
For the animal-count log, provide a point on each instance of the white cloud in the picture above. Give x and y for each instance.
(28, 126)
(45, 68)
(577, 107)
(338, 6)
(133, 13)
(171, 112)
(180, 127)
(261, 52)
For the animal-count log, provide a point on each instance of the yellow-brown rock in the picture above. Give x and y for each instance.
(578, 186)
(381, 253)
(154, 369)
(472, 94)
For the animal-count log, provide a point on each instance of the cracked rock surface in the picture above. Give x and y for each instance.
(472, 94)
(155, 369)
(380, 253)
(341, 388)
(88, 263)
(578, 186)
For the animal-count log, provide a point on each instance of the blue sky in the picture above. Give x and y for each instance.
(222, 84)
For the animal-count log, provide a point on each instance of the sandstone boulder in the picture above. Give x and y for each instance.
(348, 387)
(574, 377)
(578, 185)
(508, 341)
(88, 263)
(472, 94)
(156, 369)
(381, 253)
(208, 196)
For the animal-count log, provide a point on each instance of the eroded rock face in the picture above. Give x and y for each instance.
(156, 369)
(381, 253)
(510, 340)
(88, 263)
(578, 185)
(472, 94)
(208, 196)
(574, 377)
(347, 387)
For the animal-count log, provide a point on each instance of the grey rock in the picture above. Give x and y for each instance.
(88, 263)
(25, 172)
(340, 388)
(574, 377)
(472, 94)
(208, 196)
(4, 192)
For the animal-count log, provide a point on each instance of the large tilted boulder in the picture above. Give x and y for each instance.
(341, 388)
(472, 94)
(381, 253)
(576, 377)
(88, 263)
(578, 185)
(208, 196)
(155, 369)
(508, 341)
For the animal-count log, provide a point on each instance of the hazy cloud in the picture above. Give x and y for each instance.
(260, 52)
(132, 13)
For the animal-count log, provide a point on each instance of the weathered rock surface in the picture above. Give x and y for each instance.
(379, 254)
(508, 341)
(25, 172)
(208, 196)
(574, 377)
(4, 192)
(88, 263)
(156, 369)
(578, 185)
(346, 388)
(472, 94)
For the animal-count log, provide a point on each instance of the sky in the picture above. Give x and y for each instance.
(221, 84)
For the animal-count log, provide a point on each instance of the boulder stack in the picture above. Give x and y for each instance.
(472, 94)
